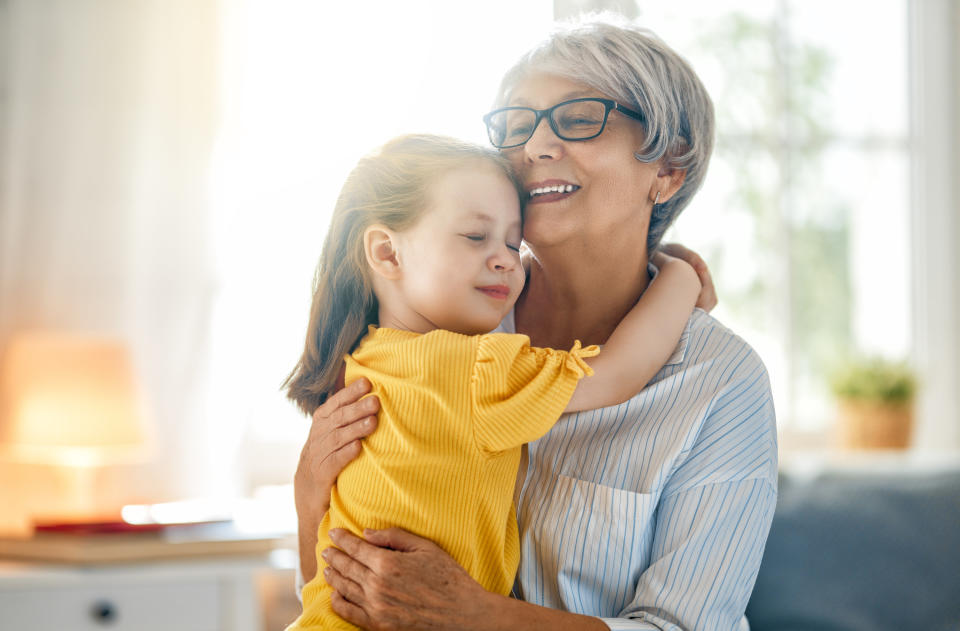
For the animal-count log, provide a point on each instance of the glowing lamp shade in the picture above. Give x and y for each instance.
(69, 400)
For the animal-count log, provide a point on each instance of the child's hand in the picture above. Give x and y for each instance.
(679, 273)
(707, 299)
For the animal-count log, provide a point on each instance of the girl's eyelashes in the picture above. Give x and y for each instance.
(480, 237)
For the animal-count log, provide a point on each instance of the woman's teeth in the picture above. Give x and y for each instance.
(559, 188)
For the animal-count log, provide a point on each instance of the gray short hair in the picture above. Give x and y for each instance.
(635, 67)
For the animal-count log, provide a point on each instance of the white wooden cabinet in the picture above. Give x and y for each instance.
(210, 594)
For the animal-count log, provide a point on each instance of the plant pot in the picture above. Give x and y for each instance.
(874, 425)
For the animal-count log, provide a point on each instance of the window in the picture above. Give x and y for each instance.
(804, 216)
(308, 88)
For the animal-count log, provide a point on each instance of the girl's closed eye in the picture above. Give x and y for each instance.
(515, 248)
(475, 236)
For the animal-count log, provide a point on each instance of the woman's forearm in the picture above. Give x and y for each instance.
(510, 613)
(307, 542)
(336, 430)
(309, 502)
(392, 579)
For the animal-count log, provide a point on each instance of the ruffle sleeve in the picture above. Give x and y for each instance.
(519, 391)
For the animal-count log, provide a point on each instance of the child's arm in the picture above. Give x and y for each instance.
(644, 339)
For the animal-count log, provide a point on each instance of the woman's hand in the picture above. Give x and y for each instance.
(396, 580)
(708, 294)
(333, 441)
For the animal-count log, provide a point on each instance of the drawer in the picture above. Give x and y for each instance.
(189, 605)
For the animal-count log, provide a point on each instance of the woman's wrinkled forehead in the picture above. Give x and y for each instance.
(541, 89)
(513, 84)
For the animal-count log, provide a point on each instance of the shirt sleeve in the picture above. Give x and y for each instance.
(714, 516)
(518, 391)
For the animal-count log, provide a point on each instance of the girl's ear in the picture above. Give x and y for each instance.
(379, 246)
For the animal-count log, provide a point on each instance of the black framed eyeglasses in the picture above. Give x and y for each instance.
(576, 119)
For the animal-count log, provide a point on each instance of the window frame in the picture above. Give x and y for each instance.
(934, 106)
(934, 192)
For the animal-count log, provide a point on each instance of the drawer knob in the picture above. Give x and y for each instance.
(104, 612)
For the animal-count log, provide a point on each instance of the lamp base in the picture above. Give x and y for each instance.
(42, 493)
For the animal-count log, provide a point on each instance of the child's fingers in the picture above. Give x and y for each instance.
(708, 294)
(707, 299)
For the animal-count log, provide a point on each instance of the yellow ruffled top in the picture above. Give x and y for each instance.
(454, 413)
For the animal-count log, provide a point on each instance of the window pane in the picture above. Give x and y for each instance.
(867, 83)
(309, 88)
(808, 185)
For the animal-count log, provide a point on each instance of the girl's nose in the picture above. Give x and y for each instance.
(502, 260)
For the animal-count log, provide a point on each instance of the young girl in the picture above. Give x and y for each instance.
(422, 259)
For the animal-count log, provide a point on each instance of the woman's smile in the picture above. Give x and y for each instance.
(550, 191)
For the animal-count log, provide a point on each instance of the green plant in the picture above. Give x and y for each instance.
(874, 379)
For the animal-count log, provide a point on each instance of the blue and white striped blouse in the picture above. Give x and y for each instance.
(653, 514)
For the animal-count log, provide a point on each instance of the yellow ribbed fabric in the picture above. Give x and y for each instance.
(454, 413)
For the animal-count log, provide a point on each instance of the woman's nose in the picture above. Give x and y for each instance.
(543, 144)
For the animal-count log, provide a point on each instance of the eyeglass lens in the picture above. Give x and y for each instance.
(577, 120)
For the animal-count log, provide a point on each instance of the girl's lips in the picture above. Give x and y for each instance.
(499, 292)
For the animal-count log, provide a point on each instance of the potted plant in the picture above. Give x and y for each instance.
(875, 403)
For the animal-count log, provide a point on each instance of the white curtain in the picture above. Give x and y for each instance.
(108, 112)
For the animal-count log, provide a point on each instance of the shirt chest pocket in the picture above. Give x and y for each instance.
(589, 543)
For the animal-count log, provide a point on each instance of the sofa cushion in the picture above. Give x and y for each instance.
(862, 552)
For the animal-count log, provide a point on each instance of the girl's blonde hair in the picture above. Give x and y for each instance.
(390, 187)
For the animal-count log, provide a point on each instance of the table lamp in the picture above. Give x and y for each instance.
(69, 402)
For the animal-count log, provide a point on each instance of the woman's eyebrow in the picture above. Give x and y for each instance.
(565, 97)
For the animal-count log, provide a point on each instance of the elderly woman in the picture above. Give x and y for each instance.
(651, 514)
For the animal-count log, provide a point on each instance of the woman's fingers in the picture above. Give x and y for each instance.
(359, 558)
(345, 406)
(341, 457)
(351, 590)
(343, 397)
(344, 442)
(395, 539)
(349, 611)
(339, 424)
(403, 586)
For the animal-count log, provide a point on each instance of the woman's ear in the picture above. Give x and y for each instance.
(379, 246)
(668, 182)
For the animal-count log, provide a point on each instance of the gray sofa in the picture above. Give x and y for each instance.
(856, 551)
